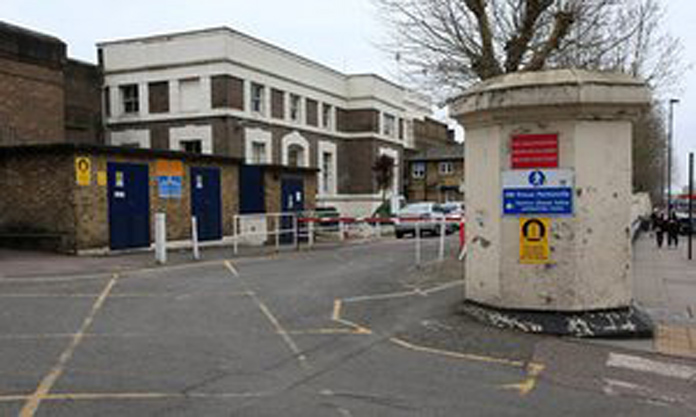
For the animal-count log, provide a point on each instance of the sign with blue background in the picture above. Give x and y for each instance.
(538, 192)
(169, 186)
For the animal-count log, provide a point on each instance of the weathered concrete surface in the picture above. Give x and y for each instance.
(591, 252)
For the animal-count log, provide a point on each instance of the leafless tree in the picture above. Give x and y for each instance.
(446, 45)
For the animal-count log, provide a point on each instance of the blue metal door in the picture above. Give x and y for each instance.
(206, 203)
(292, 200)
(129, 205)
(251, 198)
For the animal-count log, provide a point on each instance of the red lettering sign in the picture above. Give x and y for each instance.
(534, 151)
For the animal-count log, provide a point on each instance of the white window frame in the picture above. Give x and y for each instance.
(325, 147)
(327, 116)
(418, 170)
(126, 101)
(295, 108)
(446, 168)
(258, 98)
(256, 135)
(295, 138)
(204, 133)
(389, 125)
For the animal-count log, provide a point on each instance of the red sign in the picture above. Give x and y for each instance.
(534, 151)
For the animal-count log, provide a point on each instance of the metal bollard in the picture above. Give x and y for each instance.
(378, 225)
(441, 253)
(161, 238)
(194, 238)
(277, 233)
(310, 230)
(235, 231)
(296, 231)
(418, 244)
(341, 231)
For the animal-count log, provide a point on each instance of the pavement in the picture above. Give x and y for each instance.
(347, 330)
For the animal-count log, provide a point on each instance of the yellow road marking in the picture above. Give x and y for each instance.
(528, 385)
(271, 318)
(458, 355)
(95, 396)
(30, 295)
(33, 402)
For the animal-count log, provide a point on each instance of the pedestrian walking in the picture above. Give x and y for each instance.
(673, 231)
(659, 228)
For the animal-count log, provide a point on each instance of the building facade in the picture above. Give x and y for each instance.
(436, 175)
(221, 92)
(45, 97)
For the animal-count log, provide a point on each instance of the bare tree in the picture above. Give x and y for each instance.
(383, 169)
(446, 45)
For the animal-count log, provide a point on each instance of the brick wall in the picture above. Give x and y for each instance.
(357, 121)
(83, 103)
(227, 92)
(37, 195)
(32, 103)
(429, 188)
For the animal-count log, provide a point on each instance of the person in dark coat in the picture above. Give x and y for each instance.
(660, 228)
(673, 231)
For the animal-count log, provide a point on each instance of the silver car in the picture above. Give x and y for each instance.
(428, 217)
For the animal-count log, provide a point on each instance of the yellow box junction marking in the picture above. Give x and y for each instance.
(83, 170)
(534, 241)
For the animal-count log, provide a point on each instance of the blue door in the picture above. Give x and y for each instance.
(251, 198)
(206, 202)
(129, 205)
(292, 200)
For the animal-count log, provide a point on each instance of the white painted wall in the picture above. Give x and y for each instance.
(128, 137)
(192, 132)
(327, 147)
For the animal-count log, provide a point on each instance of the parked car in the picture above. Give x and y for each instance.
(454, 211)
(328, 217)
(428, 216)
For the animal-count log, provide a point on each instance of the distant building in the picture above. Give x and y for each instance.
(436, 174)
(45, 97)
(221, 92)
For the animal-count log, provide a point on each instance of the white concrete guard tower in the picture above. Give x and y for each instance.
(548, 201)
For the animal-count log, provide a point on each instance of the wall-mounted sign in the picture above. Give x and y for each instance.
(169, 186)
(83, 170)
(534, 151)
(165, 167)
(534, 241)
(547, 192)
(101, 178)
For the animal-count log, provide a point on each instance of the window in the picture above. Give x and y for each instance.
(192, 146)
(295, 155)
(326, 113)
(295, 113)
(258, 152)
(418, 170)
(389, 127)
(129, 98)
(446, 168)
(326, 171)
(257, 98)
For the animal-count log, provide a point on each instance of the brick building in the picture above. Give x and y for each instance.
(221, 92)
(45, 97)
(436, 174)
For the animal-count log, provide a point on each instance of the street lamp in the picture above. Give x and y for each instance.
(672, 102)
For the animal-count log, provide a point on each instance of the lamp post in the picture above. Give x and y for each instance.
(672, 102)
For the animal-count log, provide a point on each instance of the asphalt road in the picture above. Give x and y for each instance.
(355, 331)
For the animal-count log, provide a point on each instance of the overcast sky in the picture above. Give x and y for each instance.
(341, 34)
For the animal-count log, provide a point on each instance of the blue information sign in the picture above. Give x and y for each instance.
(169, 186)
(538, 201)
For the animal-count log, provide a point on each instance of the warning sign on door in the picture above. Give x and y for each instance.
(534, 241)
(83, 170)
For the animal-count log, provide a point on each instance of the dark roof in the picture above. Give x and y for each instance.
(439, 153)
(29, 46)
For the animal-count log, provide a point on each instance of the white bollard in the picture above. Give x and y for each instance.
(378, 225)
(310, 229)
(441, 254)
(235, 231)
(161, 238)
(418, 244)
(277, 233)
(341, 231)
(296, 231)
(194, 238)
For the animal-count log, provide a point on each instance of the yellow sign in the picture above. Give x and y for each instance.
(168, 168)
(83, 170)
(534, 241)
(101, 178)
